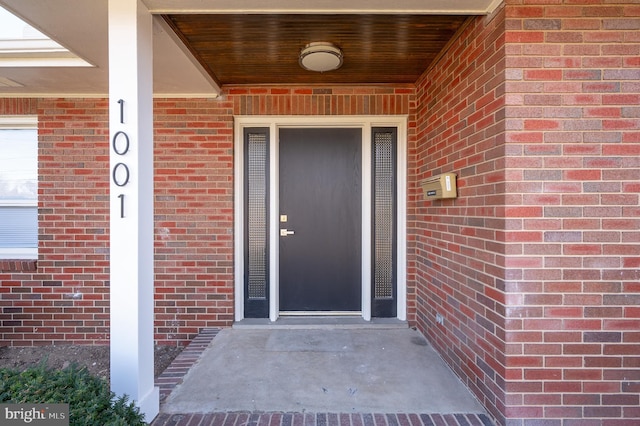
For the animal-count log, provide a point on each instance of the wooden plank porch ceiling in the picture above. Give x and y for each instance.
(254, 49)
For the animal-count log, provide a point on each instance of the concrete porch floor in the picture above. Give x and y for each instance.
(300, 371)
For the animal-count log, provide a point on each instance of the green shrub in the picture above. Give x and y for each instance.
(89, 398)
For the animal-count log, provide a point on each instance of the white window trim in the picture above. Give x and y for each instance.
(19, 122)
(18, 254)
(366, 123)
(20, 203)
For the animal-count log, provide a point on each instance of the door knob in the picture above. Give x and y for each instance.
(285, 232)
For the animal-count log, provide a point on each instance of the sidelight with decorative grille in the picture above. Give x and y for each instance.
(384, 221)
(256, 202)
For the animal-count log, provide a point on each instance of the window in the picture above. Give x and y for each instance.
(18, 188)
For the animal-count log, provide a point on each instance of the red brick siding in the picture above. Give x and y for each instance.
(18, 106)
(321, 100)
(194, 217)
(66, 300)
(9, 265)
(460, 243)
(535, 267)
(573, 221)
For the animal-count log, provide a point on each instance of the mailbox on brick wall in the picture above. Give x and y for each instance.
(440, 186)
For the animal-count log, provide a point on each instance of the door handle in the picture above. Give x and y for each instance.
(285, 232)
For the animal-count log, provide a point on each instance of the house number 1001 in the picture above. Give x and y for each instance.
(120, 145)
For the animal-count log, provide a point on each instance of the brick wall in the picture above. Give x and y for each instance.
(18, 106)
(460, 243)
(536, 266)
(573, 216)
(194, 217)
(66, 299)
(322, 100)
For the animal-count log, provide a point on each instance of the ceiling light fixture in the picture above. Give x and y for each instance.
(320, 57)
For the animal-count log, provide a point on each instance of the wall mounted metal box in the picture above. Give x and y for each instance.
(440, 186)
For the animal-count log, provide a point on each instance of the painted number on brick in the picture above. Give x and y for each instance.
(120, 144)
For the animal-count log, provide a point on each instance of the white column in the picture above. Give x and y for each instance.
(131, 208)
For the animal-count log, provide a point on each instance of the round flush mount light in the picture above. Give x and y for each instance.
(320, 57)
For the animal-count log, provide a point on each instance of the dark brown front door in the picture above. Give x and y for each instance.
(320, 180)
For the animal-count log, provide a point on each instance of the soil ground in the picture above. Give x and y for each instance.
(94, 358)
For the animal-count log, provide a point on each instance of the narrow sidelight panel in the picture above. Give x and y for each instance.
(256, 191)
(384, 228)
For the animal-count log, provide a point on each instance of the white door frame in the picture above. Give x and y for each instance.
(366, 123)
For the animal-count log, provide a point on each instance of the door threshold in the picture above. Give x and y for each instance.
(321, 322)
(321, 314)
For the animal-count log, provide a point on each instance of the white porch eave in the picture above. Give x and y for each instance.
(82, 28)
(449, 7)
